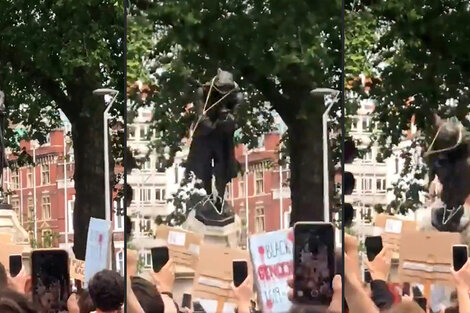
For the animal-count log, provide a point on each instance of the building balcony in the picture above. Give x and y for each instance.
(367, 198)
(147, 177)
(150, 208)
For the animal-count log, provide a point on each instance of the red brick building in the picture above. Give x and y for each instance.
(37, 193)
(264, 187)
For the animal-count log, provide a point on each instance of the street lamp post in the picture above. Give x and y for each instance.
(107, 188)
(326, 195)
(66, 211)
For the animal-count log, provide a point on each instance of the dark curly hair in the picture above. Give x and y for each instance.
(106, 289)
(14, 302)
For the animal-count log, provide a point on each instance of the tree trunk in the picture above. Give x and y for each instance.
(306, 166)
(87, 133)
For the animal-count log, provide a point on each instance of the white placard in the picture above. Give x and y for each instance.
(176, 238)
(194, 249)
(393, 226)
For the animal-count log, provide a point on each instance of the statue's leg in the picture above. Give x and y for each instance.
(220, 169)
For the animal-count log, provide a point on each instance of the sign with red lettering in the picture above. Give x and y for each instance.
(272, 257)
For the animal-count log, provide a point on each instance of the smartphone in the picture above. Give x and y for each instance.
(187, 299)
(314, 263)
(373, 246)
(422, 302)
(406, 289)
(160, 256)
(51, 280)
(367, 277)
(460, 256)
(240, 272)
(16, 263)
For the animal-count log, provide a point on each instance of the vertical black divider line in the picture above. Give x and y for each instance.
(343, 131)
(125, 154)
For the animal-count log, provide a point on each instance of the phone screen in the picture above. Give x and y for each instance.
(15, 264)
(460, 256)
(160, 257)
(367, 277)
(240, 272)
(187, 299)
(373, 246)
(422, 302)
(51, 280)
(314, 263)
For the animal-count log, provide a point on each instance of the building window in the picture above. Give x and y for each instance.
(260, 144)
(241, 188)
(381, 185)
(147, 165)
(47, 238)
(31, 216)
(118, 218)
(46, 208)
(367, 185)
(131, 131)
(397, 165)
(70, 212)
(160, 194)
(145, 225)
(29, 177)
(45, 174)
(365, 124)
(259, 220)
(143, 132)
(354, 123)
(120, 262)
(146, 258)
(15, 180)
(177, 172)
(145, 195)
(15, 204)
(368, 157)
(259, 182)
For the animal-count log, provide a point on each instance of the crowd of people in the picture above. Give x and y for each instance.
(379, 296)
(104, 294)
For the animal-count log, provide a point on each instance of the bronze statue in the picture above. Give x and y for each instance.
(449, 159)
(3, 157)
(212, 148)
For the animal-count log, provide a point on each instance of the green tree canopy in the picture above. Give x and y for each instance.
(278, 51)
(53, 54)
(420, 53)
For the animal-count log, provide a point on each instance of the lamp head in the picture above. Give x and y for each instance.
(105, 91)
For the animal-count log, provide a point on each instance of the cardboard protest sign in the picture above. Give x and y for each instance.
(97, 248)
(393, 227)
(214, 275)
(426, 257)
(184, 246)
(77, 269)
(272, 256)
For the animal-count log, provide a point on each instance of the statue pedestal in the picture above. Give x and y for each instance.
(9, 224)
(228, 235)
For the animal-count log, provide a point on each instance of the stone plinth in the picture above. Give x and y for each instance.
(9, 224)
(228, 235)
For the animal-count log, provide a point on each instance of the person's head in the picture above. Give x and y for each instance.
(3, 277)
(406, 307)
(14, 302)
(147, 295)
(85, 303)
(106, 290)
